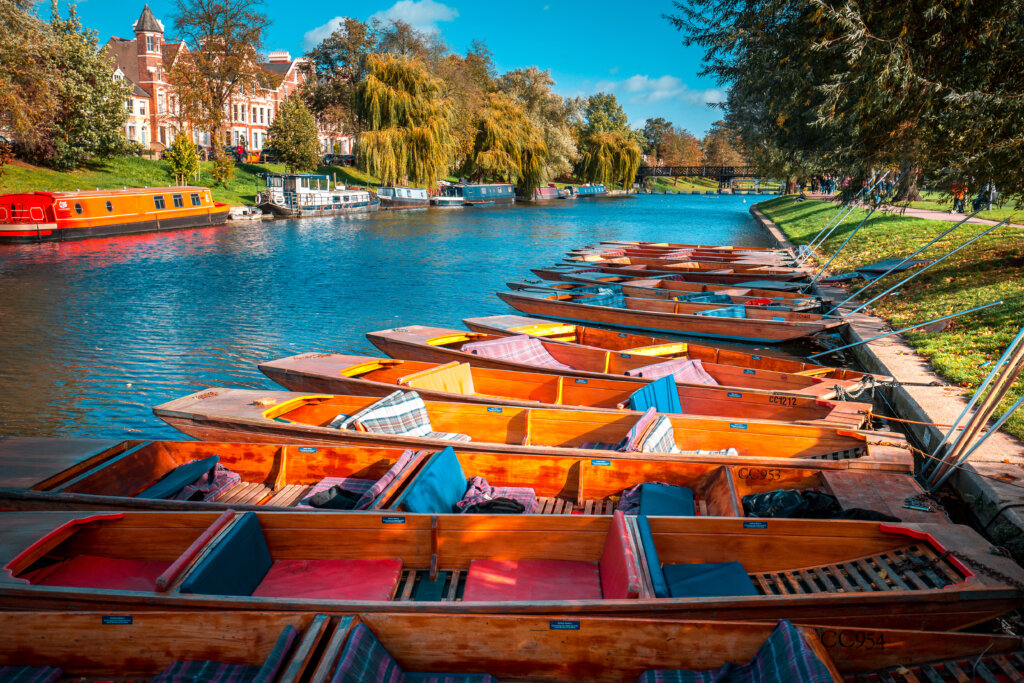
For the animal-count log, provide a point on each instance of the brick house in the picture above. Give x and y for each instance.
(153, 111)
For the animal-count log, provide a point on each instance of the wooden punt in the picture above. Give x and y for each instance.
(740, 265)
(460, 379)
(842, 573)
(88, 474)
(668, 287)
(89, 645)
(725, 296)
(697, 255)
(723, 276)
(677, 245)
(661, 347)
(758, 326)
(220, 414)
(101, 646)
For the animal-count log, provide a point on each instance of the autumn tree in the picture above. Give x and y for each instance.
(26, 71)
(294, 136)
(406, 122)
(553, 115)
(508, 146)
(466, 80)
(226, 37)
(722, 146)
(609, 149)
(183, 158)
(654, 132)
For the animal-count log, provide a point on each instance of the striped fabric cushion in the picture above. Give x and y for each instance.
(660, 438)
(606, 298)
(685, 370)
(479, 491)
(518, 349)
(449, 436)
(353, 484)
(632, 441)
(783, 658)
(378, 486)
(210, 485)
(365, 659)
(400, 412)
(727, 312)
(29, 674)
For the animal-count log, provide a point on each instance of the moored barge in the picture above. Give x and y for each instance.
(299, 195)
(59, 216)
(394, 198)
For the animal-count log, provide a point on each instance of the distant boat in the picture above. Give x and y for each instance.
(462, 194)
(583, 191)
(58, 216)
(295, 195)
(403, 198)
(544, 194)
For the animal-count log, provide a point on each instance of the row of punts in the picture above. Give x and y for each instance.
(551, 498)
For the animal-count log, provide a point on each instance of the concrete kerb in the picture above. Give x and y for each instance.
(925, 397)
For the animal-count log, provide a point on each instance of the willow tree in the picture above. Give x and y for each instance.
(406, 120)
(508, 146)
(610, 158)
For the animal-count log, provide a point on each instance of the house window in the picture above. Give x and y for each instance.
(178, 201)
(163, 135)
(149, 43)
(234, 112)
(161, 103)
(158, 201)
(129, 105)
(195, 198)
(142, 108)
(261, 114)
(131, 132)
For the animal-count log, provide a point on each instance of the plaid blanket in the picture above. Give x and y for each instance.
(608, 298)
(479, 491)
(727, 312)
(218, 672)
(210, 485)
(369, 488)
(784, 657)
(518, 349)
(632, 440)
(660, 438)
(400, 412)
(353, 484)
(449, 436)
(30, 674)
(685, 370)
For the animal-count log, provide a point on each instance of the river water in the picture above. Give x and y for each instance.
(96, 332)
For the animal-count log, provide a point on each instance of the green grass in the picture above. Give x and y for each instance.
(136, 172)
(685, 185)
(987, 271)
(937, 201)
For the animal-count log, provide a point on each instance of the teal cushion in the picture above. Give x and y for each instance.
(178, 478)
(728, 312)
(658, 582)
(664, 500)
(661, 394)
(708, 580)
(437, 488)
(236, 565)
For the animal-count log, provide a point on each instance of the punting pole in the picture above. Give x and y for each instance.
(905, 329)
(927, 267)
(998, 381)
(841, 247)
(963, 458)
(903, 262)
(849, 207)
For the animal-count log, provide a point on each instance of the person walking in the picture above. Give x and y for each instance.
(959, 195)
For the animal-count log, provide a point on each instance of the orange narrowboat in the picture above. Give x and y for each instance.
(58, 216)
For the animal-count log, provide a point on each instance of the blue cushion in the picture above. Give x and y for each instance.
(178, 478)
(664, 500)
(711, 580)
(237, 564)
(437, 488)
(727, 312)
(662, 394)
(706, 298)
(658, 582)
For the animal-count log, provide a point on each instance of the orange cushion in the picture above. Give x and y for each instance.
(525, 580)
(331, 579)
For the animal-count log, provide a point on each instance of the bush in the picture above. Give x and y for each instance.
(223, 170)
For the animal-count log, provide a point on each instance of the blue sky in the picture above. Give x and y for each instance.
(618, 47)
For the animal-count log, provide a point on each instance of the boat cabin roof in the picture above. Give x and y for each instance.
(322, 176)
(121, 192)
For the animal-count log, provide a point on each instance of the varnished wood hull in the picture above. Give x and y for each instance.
(588, 275)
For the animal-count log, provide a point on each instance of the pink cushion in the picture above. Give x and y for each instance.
(331, 579)
(685, 370)
(92, 571)
(526, 580)
(620, 572)
(518, 349)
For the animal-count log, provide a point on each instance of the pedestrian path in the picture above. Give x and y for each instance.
(926, 214)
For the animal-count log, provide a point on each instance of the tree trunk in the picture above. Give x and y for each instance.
(908, 191)
(790, 185)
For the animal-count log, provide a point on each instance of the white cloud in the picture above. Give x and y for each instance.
(315, 36)
(420, 14)
(614, 70)
(644, 89)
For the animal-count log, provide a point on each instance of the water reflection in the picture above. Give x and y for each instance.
(96, 332)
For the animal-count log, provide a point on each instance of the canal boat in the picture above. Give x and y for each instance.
(659, 347)
(467, 194)
(301, 195)
(566, 272)
(842, 573)
(547, 194)
(394, 198)
(93, 474)
(59, 216)
(610, 307)
(459, 380)
(525, 354)
(687, 293)
(251, 416)
(588, 190)
(181, 645)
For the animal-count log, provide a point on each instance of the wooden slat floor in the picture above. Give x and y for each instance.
(988, 669)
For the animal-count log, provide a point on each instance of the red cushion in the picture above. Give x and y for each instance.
(525, 580)
(331, 579)
(93, 571)
(620, 572)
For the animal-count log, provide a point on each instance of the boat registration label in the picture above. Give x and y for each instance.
(307, 449)
(734, 394)
(581, 380)
(392, 520)
(117, 619)
(755, 525)
(493, 409)
(563, 625)
(601, 463)
(748, 371)
(625, 355)
(737, 425)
